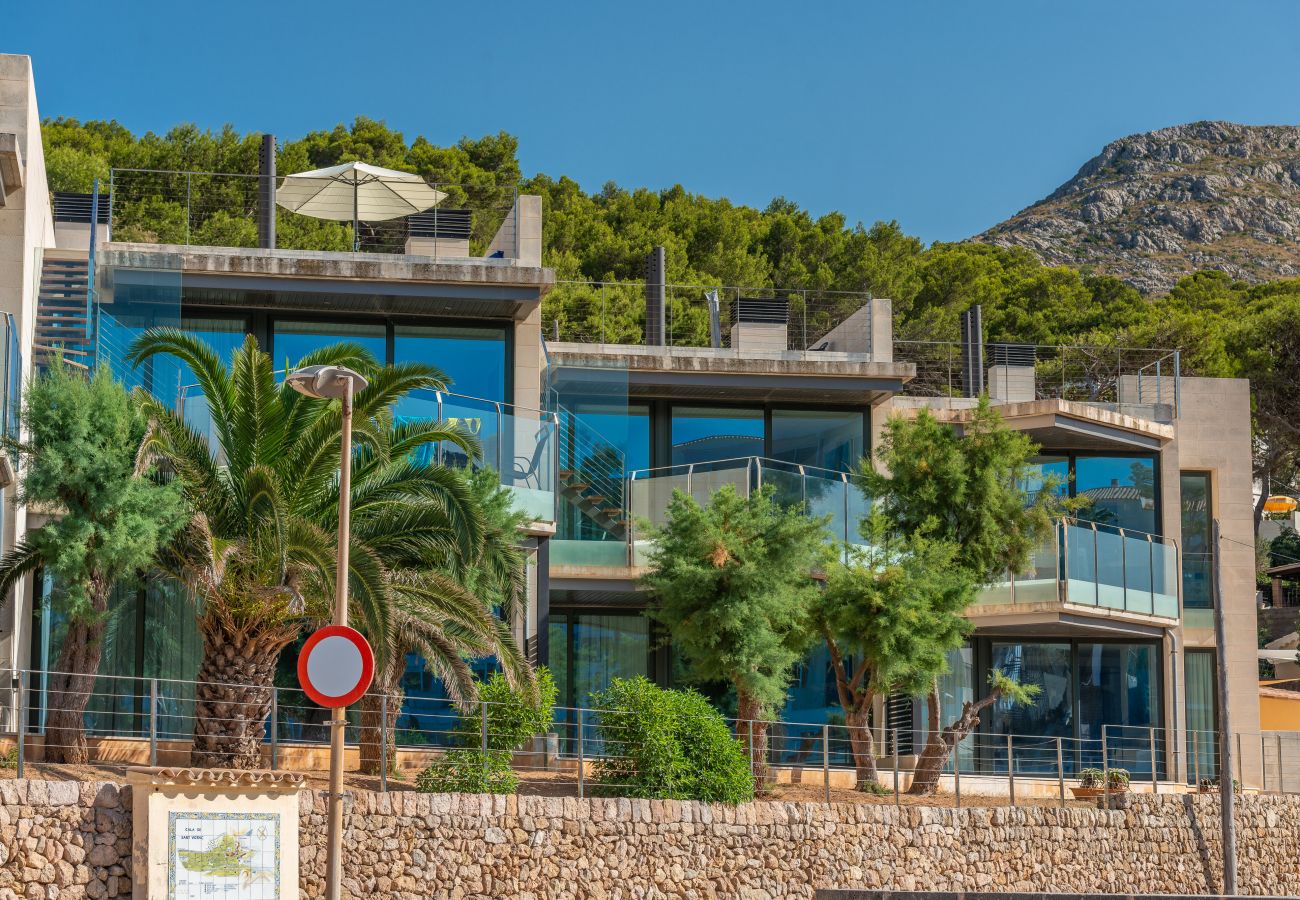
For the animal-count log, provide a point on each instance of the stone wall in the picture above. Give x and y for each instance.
(73, 840)
(64, 840)
(409, 846)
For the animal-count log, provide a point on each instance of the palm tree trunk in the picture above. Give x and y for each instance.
(375, 732)
(233, 696)
(70, 686)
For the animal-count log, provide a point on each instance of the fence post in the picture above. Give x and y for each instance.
(898, 800)
(275, 729)
(1105, 769)
(1281, 779)
(383, 742)
(956, 773)
(1241, 765)
(21, 725)
(1060, 771)
(753, 775)
(582, 764)
(1196, 758)
(1011, 770)
(1151, 738)
(153, 721)
(826, 760)
(483, 741)
(188, 216)
(1263, 762)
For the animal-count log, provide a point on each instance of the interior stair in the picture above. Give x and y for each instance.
(591, 475)
(61, 310)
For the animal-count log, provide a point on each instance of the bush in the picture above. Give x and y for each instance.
(512, 720)
(463, 771)
(663, 744)
(9, 759)
(1093, 778)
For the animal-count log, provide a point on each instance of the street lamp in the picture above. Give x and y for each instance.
(336, 383)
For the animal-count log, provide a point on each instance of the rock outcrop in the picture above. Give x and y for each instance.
(1153, 207)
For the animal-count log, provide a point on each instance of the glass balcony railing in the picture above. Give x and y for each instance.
(1099, 565)
(517, 442)
(824, 492)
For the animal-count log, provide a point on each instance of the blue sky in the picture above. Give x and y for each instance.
(945, 116)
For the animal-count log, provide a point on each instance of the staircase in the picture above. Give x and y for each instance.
(592, 475)
(61, 307)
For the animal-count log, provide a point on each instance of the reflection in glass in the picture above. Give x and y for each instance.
(1121, 490)
(702, 434)
(294, 340)
(1050, 715)
(826, 438)
(473, 359)
(1117, 688)
(1194, 488)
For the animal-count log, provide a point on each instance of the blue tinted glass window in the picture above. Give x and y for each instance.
(473, 359)
(1194, 488)
(1121, 490)
(828, 439)
(294, 340)
(707, 434)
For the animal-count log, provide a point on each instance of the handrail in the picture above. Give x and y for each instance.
(803, 469)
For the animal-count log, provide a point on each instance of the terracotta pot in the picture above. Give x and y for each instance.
(1088, 793)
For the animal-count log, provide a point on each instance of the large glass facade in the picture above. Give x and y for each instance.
(1202, 714)
(706, 434)
(829, 439)
(1197, 547)
(1121, 490)
(473, 358)
(589, 649)
(1083, 686)
(291, 341)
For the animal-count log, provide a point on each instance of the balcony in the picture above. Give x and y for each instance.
(1133, 381)
(1091, 567)
(481, 223)
(517, 442)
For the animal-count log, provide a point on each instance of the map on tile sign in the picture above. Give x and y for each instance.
(223, 856)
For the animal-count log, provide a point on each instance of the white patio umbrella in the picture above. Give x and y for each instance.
(356, 191)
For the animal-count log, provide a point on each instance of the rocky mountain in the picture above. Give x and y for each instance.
(1153, 207)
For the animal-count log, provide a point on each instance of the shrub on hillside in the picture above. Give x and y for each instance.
(664, 744)
(513, 719)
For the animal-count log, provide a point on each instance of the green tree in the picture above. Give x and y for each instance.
(966, 491)
(448, 610)
(732, 582)
(890, 613)
(258, 552)
(107, 520)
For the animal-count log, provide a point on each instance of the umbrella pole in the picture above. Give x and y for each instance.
(356, 234)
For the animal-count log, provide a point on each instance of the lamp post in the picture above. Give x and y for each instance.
(336, 383)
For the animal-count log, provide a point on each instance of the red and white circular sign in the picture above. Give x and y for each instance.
(336, 666)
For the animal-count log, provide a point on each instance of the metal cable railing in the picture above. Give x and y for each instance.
(153, 721)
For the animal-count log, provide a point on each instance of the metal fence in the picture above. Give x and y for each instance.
(222, 209)
(698, 315)
(1142, 380)
(150, 721)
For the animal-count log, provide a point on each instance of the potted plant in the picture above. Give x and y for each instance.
(1211, 786)
(1095, 783)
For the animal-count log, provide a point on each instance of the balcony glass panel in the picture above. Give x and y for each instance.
(1081, 564)
(1110, 568)
(1137, 574)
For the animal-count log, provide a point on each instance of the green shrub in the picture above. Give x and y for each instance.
(1093, 778)
(512, 720)
(9, 759)
(463, 771)
(664, 744)
(874, 788)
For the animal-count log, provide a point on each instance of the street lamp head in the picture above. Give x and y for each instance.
(326, 382)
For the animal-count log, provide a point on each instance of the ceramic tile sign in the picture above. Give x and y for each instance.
(214, 834)
(235, 855)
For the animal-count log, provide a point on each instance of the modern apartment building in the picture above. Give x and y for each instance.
(593, 419)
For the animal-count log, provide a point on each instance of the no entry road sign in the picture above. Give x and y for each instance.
(336, 666)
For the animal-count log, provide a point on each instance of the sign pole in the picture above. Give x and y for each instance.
(334, 859)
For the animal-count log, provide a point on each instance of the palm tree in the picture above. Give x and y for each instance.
(461, 608)
(258, 553)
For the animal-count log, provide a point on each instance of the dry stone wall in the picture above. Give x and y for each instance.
(73, 840)
(410, 846)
